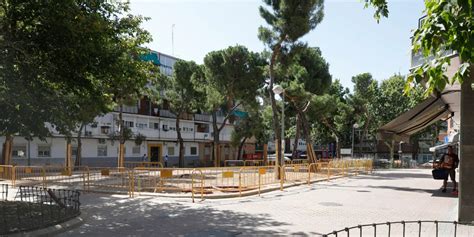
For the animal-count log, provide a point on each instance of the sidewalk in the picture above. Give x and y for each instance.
(304, 210)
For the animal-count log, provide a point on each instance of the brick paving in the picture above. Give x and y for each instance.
(304, 210)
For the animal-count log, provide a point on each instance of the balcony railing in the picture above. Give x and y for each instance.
(202, 117)
(167, 114)
(406, 228)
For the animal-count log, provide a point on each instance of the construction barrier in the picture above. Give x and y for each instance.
(134, 164)
(106, 179)
(205, 181)
(254, 177)
(200, 181)
(299, 161)
(7, 172)
(295, 172)
(254, 163)
(234, 163)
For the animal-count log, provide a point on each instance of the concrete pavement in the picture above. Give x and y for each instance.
(304, 210)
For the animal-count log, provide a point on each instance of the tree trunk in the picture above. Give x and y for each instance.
(391, 149)
(78, 161)
(276, 127)
(306, 128)
(68, 161)
(338, 147)
(297, 137)
(7, 150)
(181, 143)
(121, 157)
(307, 137)
(241, 145)
(215, 144)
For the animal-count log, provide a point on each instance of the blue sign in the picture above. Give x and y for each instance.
(152, 56)
(446, 139)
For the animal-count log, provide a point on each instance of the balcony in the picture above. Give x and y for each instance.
(128, 109)
(202, 136)
(417, 58)
(202, 117)
(186, 116)
(167, 114)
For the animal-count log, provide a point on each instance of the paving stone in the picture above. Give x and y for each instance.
(393, 195)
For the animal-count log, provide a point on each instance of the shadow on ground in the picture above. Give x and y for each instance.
(112, 216)
(395, 174)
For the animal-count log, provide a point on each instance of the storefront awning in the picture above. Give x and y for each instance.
(414, 120)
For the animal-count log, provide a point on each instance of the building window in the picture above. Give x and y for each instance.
(165, 127)
(136, 150)
(193, 150)
(171, 150)
(102, 150)
(19, 151)
(44, 151)
(142, 125)
(101, 140)
(104, 129)
(128, 124)
(155, 126)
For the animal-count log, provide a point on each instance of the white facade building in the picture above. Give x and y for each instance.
(155, 122)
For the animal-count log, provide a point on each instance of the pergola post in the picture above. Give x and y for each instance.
(466, 167)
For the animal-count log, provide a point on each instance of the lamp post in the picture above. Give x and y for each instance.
(355, 126)
(277, 89)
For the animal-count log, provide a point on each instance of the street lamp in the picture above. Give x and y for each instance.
(277, 89)
(355, 126)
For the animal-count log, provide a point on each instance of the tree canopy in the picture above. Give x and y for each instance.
(447, 25)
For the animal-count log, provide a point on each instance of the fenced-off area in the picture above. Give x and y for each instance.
(26, 208)
(143, 178)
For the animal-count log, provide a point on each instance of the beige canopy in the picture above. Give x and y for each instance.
(424, 114)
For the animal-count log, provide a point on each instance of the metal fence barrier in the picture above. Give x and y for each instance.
(145, 178)
(407, 228)
(134, 164)
(36, 207)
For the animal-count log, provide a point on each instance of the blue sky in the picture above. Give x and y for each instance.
(350, 39)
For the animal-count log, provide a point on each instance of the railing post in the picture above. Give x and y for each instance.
(13, 173)
(259, 182)
(309, 174)
(202, 185)
(192, 184)
(43, 173)
(131, 184)
(240, 182)
(419, 228)
(403, 223)
(329, 170)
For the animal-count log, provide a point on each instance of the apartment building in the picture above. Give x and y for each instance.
(155, 123)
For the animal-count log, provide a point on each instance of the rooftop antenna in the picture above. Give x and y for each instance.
(172, 39)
